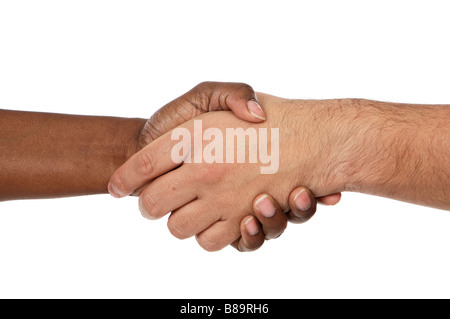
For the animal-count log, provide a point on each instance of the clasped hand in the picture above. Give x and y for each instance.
(219, 202)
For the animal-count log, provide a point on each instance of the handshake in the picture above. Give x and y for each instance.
(237, 178)
(229, 165)
(219, 174)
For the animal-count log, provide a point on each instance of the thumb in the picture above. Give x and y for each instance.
(237, 97)
(240, 98)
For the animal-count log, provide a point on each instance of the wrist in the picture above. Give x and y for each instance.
(359, 143)
(337, 142)
(112, 143)
(128, 139)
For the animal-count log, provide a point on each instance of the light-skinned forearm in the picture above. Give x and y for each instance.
(46, 155)
(400, 151)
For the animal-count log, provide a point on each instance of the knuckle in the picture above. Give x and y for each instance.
(148, 206)
(176, 228)
(297, 218)
(281, 225)
(245, 87)
(246, 245)
(211, 173)
(205, 172)
(241, 247)
(279, 235)
(117, 181)
(199, 96)
(145, 164)
(203, 85)
(274, 234)
(202, 90)
(303, 216)
(208, 243)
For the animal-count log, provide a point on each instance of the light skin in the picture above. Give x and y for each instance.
(398, 151)
(55, 155)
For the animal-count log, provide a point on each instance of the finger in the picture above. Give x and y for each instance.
(205, 97)
(332, 199)
(219, 235)
(191, 219)
(252, 237)
(270, 215)
(303, 205)
(167, 193)
(237, 97)
(150, 162)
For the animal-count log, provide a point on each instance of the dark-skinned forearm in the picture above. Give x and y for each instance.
(45, 155)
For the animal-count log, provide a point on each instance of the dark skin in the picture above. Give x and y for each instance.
(57, 155)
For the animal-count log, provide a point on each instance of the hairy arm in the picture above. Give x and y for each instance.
(53, 155)
(400, 151)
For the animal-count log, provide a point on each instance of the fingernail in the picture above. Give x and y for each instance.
(265, 206)
(113, 191)
(255, 110)
(251, 226)
(302, 201)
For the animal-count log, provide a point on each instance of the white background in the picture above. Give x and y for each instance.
(128, 58)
